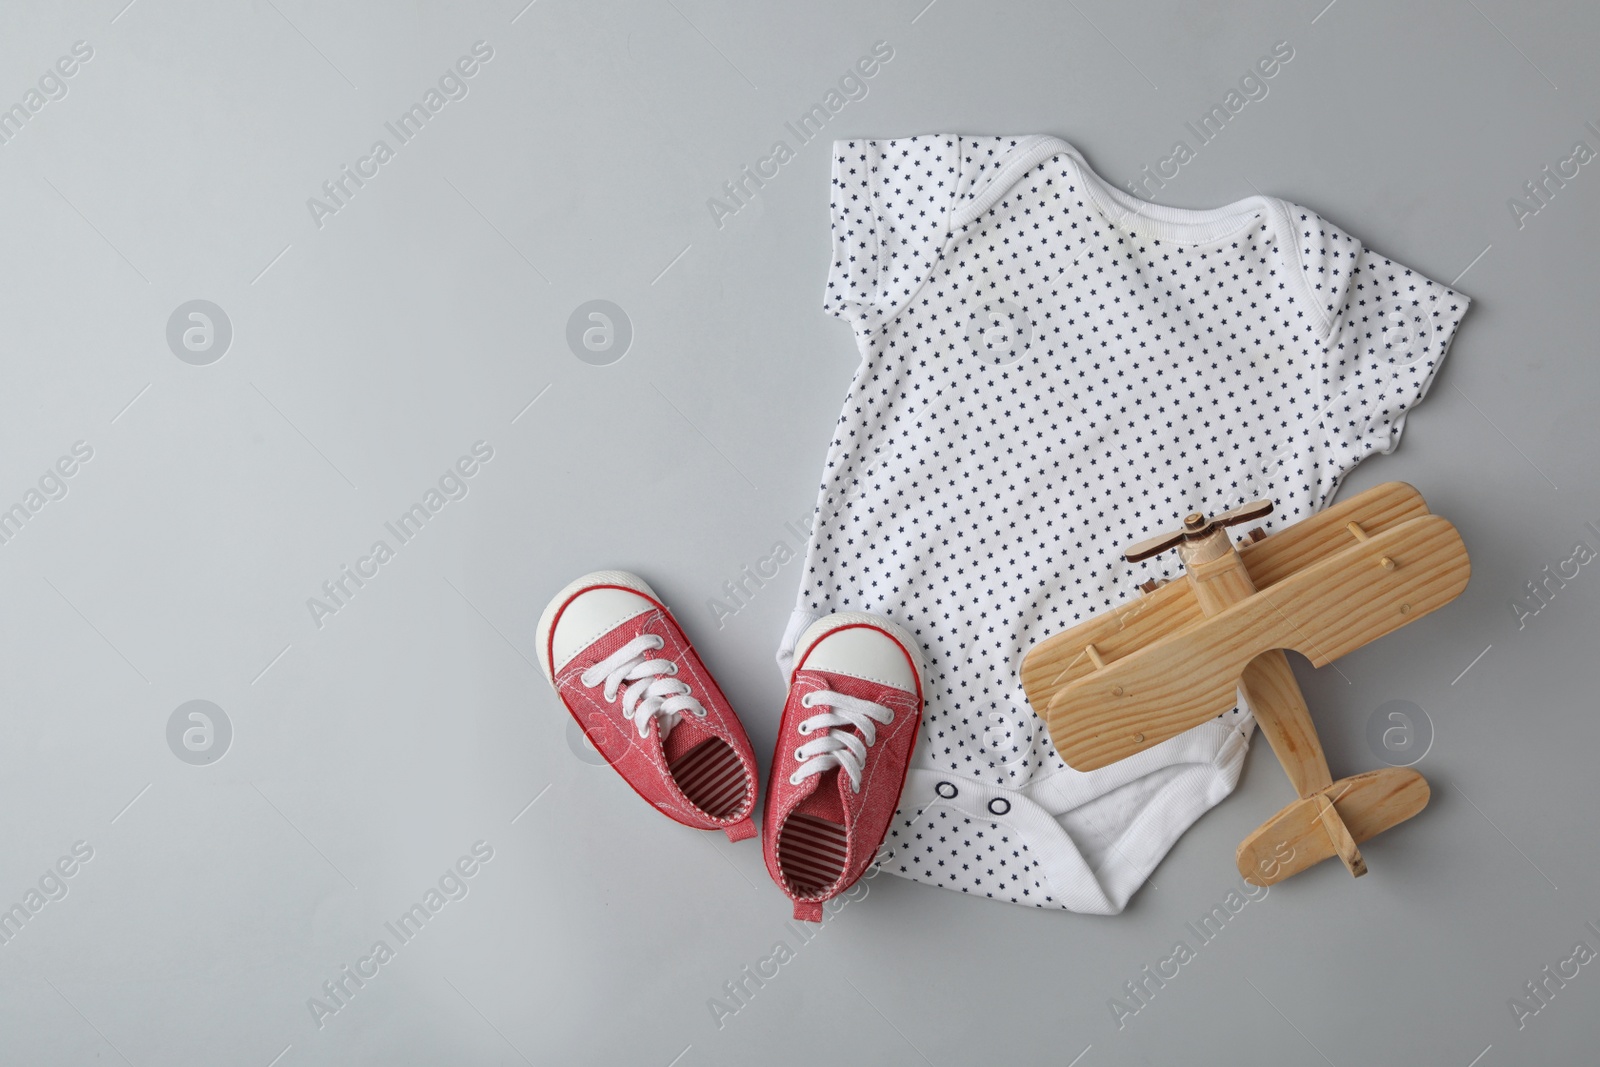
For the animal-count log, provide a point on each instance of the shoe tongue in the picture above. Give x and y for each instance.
(682, 737)
(826, 800)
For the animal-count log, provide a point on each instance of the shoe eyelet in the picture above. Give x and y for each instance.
(946, 790)
(803, 729)
(799, 756)
(999, 806)
(699, 713)
(794, 779)
(805, 701)
(673, 669)
(890, 719)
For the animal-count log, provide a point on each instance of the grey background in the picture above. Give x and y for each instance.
(369, 754)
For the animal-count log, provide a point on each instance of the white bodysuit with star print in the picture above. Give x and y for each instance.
(1051, 370)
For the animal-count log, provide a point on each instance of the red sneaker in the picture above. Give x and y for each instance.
(627, 673)
(845, 743)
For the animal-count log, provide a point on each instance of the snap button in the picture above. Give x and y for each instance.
(946, 790)
(999, 806)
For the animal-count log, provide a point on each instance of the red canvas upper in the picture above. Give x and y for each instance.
(645, 762)
(862, 816)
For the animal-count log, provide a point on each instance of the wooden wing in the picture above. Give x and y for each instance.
(1062, 659)
(1323, 611)
(1059, 661)
(1380, 508)
(1177, 669)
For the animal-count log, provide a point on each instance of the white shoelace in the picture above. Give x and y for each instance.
(648, 687)
(838, 748)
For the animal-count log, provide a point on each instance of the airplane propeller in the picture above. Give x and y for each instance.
(1197, 526)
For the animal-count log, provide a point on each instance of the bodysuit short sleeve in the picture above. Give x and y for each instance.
(891, 214)
(892, 206)
(1388, 328)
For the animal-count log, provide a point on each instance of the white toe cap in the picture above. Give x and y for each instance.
(594, 606)
(859, 650)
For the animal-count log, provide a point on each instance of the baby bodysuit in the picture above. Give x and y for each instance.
(1051, 370)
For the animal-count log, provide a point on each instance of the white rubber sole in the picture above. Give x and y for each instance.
(547, 619)
(829, 623)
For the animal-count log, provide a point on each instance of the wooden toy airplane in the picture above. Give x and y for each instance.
(1176, 657)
